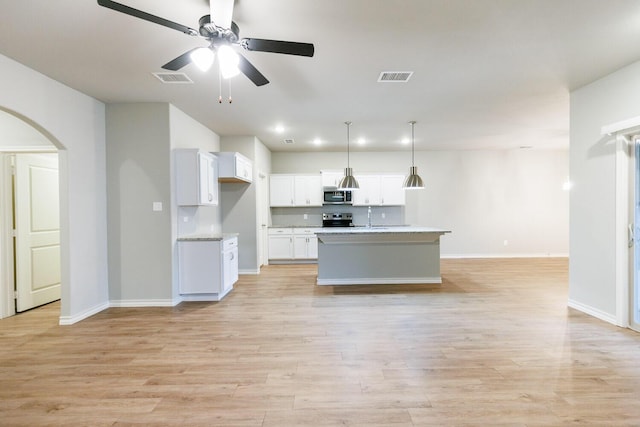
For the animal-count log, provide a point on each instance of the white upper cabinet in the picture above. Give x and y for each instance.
(369, 192)
(391, 190)
(379, 190)
(234, 167)
(295, 190)
(307, 190)
(281, 190)
(196, 178)
(331, 178)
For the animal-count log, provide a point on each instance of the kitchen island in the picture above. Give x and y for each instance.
(379, 255)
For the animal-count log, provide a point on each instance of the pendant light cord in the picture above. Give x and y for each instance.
(413, 163)
(348, 150)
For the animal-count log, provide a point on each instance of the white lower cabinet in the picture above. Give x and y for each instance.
(207, 269)
(293, 244)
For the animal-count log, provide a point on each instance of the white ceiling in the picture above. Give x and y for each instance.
(487, 73)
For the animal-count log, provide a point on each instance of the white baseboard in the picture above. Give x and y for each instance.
(252, 272)
(591, 311)
(534, 255)
(70, 320)
(144, 303)
(380, 281)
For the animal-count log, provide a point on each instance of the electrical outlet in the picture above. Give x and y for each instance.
(506, 243)
(305, 216)
(383, 215)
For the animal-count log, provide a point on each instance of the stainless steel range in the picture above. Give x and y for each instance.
(337, 219)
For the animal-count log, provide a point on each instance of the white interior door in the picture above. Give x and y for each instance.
(37, 224)
(634, 235)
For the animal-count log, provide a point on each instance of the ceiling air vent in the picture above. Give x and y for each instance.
(289, 141)
(171, 78)
(395, 76)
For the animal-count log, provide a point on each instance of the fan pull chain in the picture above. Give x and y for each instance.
(229, 82)
(219, 88)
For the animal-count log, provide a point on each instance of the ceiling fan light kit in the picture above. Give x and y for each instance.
(413, 180)
(203, 58)
(349, 182)
(220, 31)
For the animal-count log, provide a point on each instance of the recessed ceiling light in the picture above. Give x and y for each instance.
(317, 141)
(279, 128)
(405, 141)
(362, 141)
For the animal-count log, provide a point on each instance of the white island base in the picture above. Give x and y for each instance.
(389, 255)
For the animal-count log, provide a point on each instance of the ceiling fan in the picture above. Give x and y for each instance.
(222, 33)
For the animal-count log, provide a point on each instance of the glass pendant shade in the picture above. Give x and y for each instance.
(349, 182)
(413, 181)
(203, 58)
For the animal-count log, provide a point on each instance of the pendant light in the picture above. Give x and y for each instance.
(413, 181)
(349, 181)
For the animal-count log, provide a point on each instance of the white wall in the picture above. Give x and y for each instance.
(75, 124)
(592, 279)
(483, 197)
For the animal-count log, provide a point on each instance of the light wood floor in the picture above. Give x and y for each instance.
(495, 345)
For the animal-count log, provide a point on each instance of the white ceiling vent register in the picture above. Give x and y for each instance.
(395, 76)
(172, 78)
(289, 141)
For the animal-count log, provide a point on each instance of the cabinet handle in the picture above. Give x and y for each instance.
(210, 197)
(232, 256)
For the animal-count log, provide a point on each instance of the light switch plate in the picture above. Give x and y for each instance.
(157, 206)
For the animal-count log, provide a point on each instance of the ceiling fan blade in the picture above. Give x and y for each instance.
(251, 72)
(221, 12)
(119, 7)
(180, 61)
(278, 46)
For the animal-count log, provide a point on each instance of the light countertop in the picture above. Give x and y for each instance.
(382, 229)
(210, 237)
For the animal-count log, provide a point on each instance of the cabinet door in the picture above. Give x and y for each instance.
(208, 180)
(230, 268)
(392, 190)
(300, 247)
(281, 190)
(280, 247)
(331, 178)
(307, 190)
(243, 169)
(312, 247)
(369, 192)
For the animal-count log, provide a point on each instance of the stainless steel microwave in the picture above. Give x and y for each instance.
(334, 196)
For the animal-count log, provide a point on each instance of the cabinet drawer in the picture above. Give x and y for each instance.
(229, 244)
(277, 231)
(305, 231)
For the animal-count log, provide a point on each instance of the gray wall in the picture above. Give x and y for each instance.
(138, 160)
(483, 197)
(592, 281)
(142, 242)
(240, 201)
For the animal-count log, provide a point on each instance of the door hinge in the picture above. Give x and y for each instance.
(15, 295)
(14, 233)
